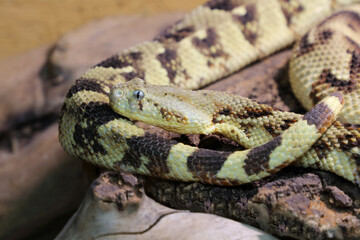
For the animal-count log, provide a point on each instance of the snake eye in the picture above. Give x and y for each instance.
(138, 94)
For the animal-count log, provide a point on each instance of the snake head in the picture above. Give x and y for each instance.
(170, 108)
(127, 98)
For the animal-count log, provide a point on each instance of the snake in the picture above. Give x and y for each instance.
(156, 81)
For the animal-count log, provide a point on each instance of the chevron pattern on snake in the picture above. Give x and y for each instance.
(211, 42)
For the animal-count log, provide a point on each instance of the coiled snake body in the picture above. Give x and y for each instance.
(209, 43)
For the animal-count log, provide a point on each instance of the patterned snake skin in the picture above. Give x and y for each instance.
(211, 42)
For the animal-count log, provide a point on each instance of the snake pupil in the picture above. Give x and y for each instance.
(138, 94)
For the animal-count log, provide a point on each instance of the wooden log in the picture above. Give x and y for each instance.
(296, 203)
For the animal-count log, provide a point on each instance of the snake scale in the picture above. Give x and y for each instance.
(211, 42)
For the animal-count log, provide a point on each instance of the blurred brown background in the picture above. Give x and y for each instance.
(25, 24)
(40, 185)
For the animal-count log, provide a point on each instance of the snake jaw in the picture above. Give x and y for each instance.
(159, 106)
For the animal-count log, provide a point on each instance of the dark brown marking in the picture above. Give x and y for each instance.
(351, 127)
(94, 114)
(348, 16)
(356, 157)
(211, 40)
(246, 128)
(152, 146)
(321, 148)
(325, 35)
(169, 60)
(205, 163)
(249, 15)
(258, 158)
(226, 5)
(354, 70)
(272, 129)
(169, 35)
(306, 47)
(225, 112)
(276, 129)
(120, 61)
(251, 112)
(351, 139)
(140, 104)
(131, 75)
(164, 112)
(351, 26)
(130, 158)
(244, 20)
(83, 135)
(87, 85)
(112, 77)
(247, 112)
(320, 116)
(287, 123)
(346, 141)
(290, 10)
(329, 80)
(208, 41)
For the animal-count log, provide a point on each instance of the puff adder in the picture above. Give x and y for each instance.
(211, 42)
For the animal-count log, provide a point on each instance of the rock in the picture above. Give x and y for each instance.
(21, 94)
(118, 198)
(292, 203)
